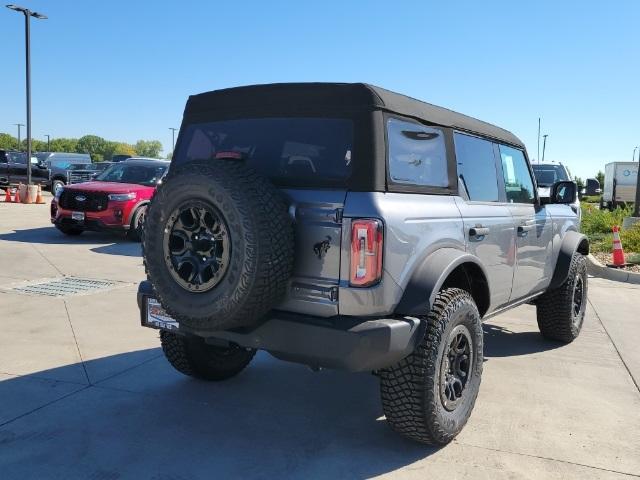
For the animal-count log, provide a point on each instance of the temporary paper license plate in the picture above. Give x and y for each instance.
(77, 216)
(156, 316)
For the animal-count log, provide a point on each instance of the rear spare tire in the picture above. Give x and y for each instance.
(218, 245)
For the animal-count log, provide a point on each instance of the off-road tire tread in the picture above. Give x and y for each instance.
(554, 307)
(258, 200)
(181, 353)
(406, 389)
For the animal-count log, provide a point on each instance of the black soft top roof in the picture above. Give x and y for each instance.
(305, 97)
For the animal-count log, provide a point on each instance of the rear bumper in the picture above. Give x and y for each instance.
(344, 343)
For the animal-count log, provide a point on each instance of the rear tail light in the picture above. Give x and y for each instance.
(366, 252)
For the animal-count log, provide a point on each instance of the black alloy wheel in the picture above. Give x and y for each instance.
(456, 367)
(197, 246)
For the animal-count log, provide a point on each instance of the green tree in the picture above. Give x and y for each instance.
(93, 145)
(36, 145)
(68, 145)
(148, 148)
(169, 155)
(117, 148)
(8, 142)
(600, 178)
(579, 182)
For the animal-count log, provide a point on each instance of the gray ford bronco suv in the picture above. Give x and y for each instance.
(346, 226)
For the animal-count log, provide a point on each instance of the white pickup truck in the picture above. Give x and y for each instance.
(620, 180)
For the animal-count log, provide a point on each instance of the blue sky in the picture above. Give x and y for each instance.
(123, 69)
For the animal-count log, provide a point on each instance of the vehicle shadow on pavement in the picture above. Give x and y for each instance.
(117, 244)
(274, 420)
(502, 342)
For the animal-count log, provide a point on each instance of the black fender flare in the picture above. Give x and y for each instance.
(429, 277)
(571, 243)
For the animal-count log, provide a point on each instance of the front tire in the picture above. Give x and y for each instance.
(560, 312)
(137, 224)
(56, 185)
(429, 395)
(191, 356)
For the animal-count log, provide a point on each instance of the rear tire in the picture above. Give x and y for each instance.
(191, 356)
(67, 230)
(429, 395)
(560, 312)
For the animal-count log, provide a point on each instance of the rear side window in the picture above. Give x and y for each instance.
(477, 168)
(417, 154)
(517, 177)
(289, 151)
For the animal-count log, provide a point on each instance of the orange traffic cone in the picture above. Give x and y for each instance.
(27, 197)
(39, 199)
(16, 199)
(7, 195)
(618, 252)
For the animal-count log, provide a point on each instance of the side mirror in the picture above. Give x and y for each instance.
(564, 192)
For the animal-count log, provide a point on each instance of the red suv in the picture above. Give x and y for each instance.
(116, 201)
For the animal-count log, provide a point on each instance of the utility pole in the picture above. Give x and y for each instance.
(633, 156)
(173, 137)
(544, 146)
(48, 143)
(538, 157)
(19, 125)
(27, 35)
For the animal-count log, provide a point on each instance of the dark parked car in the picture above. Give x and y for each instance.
(59, 164)
(347, 226)
(13, 169)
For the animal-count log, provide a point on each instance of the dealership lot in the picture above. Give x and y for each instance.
(86, 393)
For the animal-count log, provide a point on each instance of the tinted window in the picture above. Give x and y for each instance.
(417, 154)
(290, 151)
(133, 173)
(547, 175)
(477, 168)
(20, 158)
(517, 177)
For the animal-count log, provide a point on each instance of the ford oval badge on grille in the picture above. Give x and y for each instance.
(80, 198)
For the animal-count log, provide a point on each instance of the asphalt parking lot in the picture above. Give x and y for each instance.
(86, 393)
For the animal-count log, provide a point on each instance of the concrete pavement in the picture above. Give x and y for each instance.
(86, 393)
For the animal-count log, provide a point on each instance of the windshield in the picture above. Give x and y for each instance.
(289, 151)
(547, 175)
(123, 172)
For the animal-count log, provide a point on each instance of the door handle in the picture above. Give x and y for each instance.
(524, 229)
(478, 231)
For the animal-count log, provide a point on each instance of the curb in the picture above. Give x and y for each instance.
(596, 269)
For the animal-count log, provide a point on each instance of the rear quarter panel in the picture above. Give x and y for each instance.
(415, 225)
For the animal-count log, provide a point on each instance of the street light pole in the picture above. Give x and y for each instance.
(173, 137)
(48, 143)
(538, 139)
(544, 146)
(19, 125)
(634, 155)
(27, 35)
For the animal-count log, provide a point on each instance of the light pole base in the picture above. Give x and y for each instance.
(629, 222)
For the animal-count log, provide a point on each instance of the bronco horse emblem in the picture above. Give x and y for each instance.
(321, 248)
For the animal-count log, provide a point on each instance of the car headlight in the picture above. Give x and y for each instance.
(122, 197)
(58, 193)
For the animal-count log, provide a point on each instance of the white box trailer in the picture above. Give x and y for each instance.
(620, 180)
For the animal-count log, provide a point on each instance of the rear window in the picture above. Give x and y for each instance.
(290, 151)
(547, 175)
